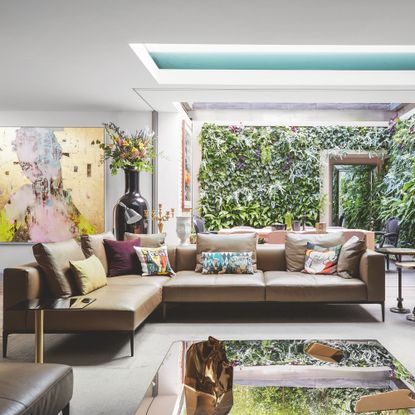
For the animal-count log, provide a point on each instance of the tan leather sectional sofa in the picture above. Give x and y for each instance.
(128, 300)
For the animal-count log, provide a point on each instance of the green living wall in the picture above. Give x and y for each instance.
(396, 190)
(254, 175)
(354, 195)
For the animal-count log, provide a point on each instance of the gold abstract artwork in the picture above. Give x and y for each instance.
(51, 183)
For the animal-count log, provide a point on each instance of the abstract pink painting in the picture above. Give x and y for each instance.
(51, 184)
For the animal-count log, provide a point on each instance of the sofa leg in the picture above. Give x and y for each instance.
(65, 411)
(5, 338)
(164, 311)
(383, 311)
(132, 343)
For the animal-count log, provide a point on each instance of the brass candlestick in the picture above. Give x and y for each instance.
(158, 216)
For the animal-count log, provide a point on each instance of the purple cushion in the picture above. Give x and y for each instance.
(121, 257)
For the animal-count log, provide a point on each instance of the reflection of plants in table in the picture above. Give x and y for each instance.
(369, 353)
(271, 400)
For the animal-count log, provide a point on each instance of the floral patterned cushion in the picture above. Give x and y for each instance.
(227, 263)
(154, 261)
(321, 260)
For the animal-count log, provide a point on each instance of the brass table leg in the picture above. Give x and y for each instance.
(38, 336)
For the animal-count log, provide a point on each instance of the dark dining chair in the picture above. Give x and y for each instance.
(389, 238)
(199, 224)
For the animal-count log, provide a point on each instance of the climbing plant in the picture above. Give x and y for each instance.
(254, 175)
(397, 189)
(356, 197)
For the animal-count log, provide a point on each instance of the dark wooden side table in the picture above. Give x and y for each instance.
(39, 305)
(399, 252)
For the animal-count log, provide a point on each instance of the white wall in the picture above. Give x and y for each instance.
(18, 254)
(170, 167)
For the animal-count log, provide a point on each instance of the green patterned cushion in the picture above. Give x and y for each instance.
(320, 259)
(227, 263)
(154, 261)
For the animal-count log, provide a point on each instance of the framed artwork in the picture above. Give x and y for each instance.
(52, 184)
(186, 166)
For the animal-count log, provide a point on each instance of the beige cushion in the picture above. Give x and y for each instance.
(89, 274)
(147, 240)
(207, 242)
(185, 257)
(349, 258)
(192, 286)
(136, 280)
(271, 257)
(94, 245)
(295, 246)
(297, 286)
(54, 260)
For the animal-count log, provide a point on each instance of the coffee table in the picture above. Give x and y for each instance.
(279, 377)
(38, 305)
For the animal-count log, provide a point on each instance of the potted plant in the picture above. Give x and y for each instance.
(133, 153)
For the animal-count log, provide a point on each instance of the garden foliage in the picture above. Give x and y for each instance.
(396, 191)
(254, 175)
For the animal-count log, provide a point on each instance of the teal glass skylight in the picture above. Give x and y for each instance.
(275, 59)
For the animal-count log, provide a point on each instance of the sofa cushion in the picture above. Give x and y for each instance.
(225, 243)
(89, 274)
(149, 240)
(54, 259)
(117, 307)
(349, 258)
(30, 388)
(94, 245)
(185, 257)
(227, 263)
(154, 261)
(297, 286)
(320, 260)
(138, 280)
(121, 257)
(191, 286)
(271, 257)
(295, 246)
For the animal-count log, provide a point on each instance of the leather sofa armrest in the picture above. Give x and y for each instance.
(372, 272)
(21, 283)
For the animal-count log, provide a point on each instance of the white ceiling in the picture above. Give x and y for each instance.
(75, 55)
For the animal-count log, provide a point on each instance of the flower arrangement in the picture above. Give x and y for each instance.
(127, 151)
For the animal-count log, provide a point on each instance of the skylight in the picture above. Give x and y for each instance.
(279, 57)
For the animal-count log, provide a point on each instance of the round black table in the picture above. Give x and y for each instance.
(399, 252)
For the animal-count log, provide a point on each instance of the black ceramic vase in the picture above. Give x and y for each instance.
(131, 200)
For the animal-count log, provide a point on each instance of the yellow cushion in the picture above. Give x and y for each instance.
(89, 274)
